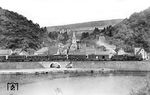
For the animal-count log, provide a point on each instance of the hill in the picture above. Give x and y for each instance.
(86, 26)
(16, 31)
(131, 32)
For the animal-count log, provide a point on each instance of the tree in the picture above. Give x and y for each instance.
(84, 35)
(53, 35)
(96, 31)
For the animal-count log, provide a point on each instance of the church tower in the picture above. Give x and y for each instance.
(74, 42)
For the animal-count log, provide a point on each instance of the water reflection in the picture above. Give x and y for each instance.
(82, 85)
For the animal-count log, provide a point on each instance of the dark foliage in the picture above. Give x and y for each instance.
(53, 35)
(16, 31)
(60, 37)
(130, 33)
(84, 35)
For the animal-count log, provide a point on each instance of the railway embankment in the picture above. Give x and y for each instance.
(79, 68)
(116, 65)
(19, 65)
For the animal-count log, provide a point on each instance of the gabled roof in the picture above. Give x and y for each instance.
(18, 50)
(23, 53)
(41, 51)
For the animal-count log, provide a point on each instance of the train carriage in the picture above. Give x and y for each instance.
(36, 58)
(57, 57)
(16, 58)
(92, 57)
(102, 57)
(77, 57)
(98, 57)
(126, 58)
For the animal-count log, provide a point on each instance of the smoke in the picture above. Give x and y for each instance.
(102, 42)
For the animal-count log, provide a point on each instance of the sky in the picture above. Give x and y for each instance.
(60, 12)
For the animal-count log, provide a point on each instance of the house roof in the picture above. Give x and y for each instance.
(52, 50)
(6, 52)
(23, 53)
(18, 50)
(42, 50)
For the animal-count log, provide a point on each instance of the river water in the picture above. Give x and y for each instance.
(81, 85)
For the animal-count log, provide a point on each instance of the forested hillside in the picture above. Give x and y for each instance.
(16, 31)
(131, 32)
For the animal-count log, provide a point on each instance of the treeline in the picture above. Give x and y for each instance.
(16, 31)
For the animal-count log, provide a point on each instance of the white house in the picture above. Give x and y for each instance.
(142, 52)
(121, 52)
(23, 53)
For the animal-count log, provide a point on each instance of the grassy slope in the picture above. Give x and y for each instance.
(86, 26)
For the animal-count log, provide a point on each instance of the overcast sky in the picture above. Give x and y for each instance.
(59, 12)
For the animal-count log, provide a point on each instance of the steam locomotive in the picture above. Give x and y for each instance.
(38, 58)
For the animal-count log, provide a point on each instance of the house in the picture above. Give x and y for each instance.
(17, 51)
(5, 52)
(63, 48)
(53, 50)
(94, 51)
(24, 53)
(121, 52)
(41, 51)
(142, 52)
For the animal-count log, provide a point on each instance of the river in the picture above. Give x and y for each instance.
(81, 85)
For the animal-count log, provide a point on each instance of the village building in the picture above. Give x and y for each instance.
(142, 52)
(90, 51)
(24, 53)
(41, 51)
(121, 52)
(5, 52)
(93, 48)
(63, 49)
(17, 51)
(52, 50)
(74, 44)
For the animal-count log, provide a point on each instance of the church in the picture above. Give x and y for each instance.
(74, 45)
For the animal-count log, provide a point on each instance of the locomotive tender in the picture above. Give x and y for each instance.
(38, 58)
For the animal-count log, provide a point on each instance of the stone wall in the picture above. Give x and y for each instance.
(119, 65)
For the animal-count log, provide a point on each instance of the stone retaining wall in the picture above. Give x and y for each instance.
(117, 65)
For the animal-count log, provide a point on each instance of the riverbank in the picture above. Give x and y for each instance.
(53, 70)
(75, 72)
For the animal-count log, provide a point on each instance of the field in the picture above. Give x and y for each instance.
(86, 26)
